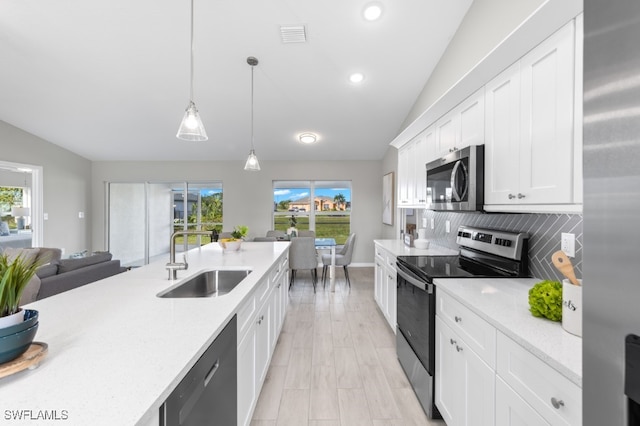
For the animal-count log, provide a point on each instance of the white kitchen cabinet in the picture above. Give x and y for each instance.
(529, 128)
(556, 399)
(385, 284)
(461, 127)
(412, 159)
(465, 384)
(259, 323)
(512, 410)
(247, 392)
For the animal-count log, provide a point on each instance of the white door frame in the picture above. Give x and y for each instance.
(37, 198)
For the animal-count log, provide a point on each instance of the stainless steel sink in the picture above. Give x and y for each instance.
(207, 284)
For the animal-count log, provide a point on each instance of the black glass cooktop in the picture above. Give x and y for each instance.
(429, 267)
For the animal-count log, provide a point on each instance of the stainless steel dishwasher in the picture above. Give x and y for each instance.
(208, 393)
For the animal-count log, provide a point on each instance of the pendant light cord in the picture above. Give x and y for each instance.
(191, 70)
(252, 66)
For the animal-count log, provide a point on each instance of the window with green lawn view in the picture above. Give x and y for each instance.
(321, 206)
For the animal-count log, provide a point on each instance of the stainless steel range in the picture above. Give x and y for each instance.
(484, 253)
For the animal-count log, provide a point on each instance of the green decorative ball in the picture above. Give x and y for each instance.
(545, 300)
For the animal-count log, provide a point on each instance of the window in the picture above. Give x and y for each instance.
(322, 206)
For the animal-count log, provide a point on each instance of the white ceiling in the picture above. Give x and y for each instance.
(109, 79)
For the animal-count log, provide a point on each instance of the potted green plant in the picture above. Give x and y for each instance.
(14, 277)
(239, 232)
(292, 231)
(234, 243)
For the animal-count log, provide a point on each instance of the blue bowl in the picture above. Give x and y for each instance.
(14, 345)
(30, 318)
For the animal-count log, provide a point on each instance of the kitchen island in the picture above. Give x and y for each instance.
(116, 351)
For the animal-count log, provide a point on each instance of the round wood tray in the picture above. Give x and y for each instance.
(30, 359)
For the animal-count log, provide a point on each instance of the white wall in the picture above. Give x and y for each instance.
(485, 25)
(67, 178)
(248, 196)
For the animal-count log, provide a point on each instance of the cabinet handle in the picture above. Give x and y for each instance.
(457, 318)
(453, 342)
(458, 348)
(521, 196)
(557, 403)
(260, 319)
(511, 196)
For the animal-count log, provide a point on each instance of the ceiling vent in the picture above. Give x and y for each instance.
(293, 34)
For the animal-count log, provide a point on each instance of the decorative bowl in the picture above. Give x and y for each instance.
(230, 245)
(421, 244)
(30, 318)
(14, 345)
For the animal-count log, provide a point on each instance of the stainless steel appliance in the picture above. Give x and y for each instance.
(209, 392)
(484, 253)
(456, 181)
(611, 294)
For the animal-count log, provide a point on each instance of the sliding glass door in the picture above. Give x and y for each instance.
(142, 217)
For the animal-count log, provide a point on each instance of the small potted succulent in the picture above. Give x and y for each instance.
(234, 243)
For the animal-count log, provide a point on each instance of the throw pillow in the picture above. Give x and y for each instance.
(30, 292)
(4, 229)
(67, 265)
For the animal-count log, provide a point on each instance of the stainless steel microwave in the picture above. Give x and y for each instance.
(455, 182)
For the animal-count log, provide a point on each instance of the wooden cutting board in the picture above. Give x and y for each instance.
(30, 359)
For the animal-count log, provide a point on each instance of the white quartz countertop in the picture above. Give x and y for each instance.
(116, 351)
(398, 248)
(504, 303)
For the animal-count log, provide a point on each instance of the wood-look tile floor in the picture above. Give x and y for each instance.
(335, 362)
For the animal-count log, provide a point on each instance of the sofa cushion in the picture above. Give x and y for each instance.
(67, 265)
(28, 255)
(47, 270)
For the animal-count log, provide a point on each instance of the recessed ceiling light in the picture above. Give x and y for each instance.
(356, 77)
(372, 11)
(307, 138)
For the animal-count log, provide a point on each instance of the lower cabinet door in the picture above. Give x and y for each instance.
(263, 342)
(465, 384)
(247, 392)
(512, 410)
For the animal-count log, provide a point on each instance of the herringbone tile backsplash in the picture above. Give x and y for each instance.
(544, 231)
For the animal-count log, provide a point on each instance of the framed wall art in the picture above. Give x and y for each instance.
(387, 199)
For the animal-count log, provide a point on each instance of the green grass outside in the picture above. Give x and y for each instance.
(337, 227)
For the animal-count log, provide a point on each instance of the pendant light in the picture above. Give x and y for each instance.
(252, 161)
(191, 128)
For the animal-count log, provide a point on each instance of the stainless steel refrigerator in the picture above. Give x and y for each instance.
(611, 260)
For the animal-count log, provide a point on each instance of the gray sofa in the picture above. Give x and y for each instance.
(65, 274)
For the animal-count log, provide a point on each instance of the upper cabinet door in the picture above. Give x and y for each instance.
(447, 130)
(471, 117)
(502, 148)
(546, 120)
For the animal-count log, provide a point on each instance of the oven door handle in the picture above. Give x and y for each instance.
(411, 279)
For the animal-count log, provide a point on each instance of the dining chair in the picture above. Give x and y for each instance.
(265, 239)
(343, 258)
(277, 234)
(306, 233)
(302, 255)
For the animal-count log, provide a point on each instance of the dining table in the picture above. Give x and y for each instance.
(329, 243)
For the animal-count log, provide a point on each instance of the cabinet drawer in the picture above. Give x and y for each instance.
(275, 272)
(477, 333)
(390, 261)
(380, 253)
(245, 315)
(263, 289)
(540, 385)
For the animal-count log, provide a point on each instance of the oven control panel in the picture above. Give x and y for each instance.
(502, 243)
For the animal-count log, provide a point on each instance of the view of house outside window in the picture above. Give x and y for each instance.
(321, 206)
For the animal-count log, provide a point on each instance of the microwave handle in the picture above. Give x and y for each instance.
(454, 174)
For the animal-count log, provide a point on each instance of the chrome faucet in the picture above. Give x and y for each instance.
(173, 266)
